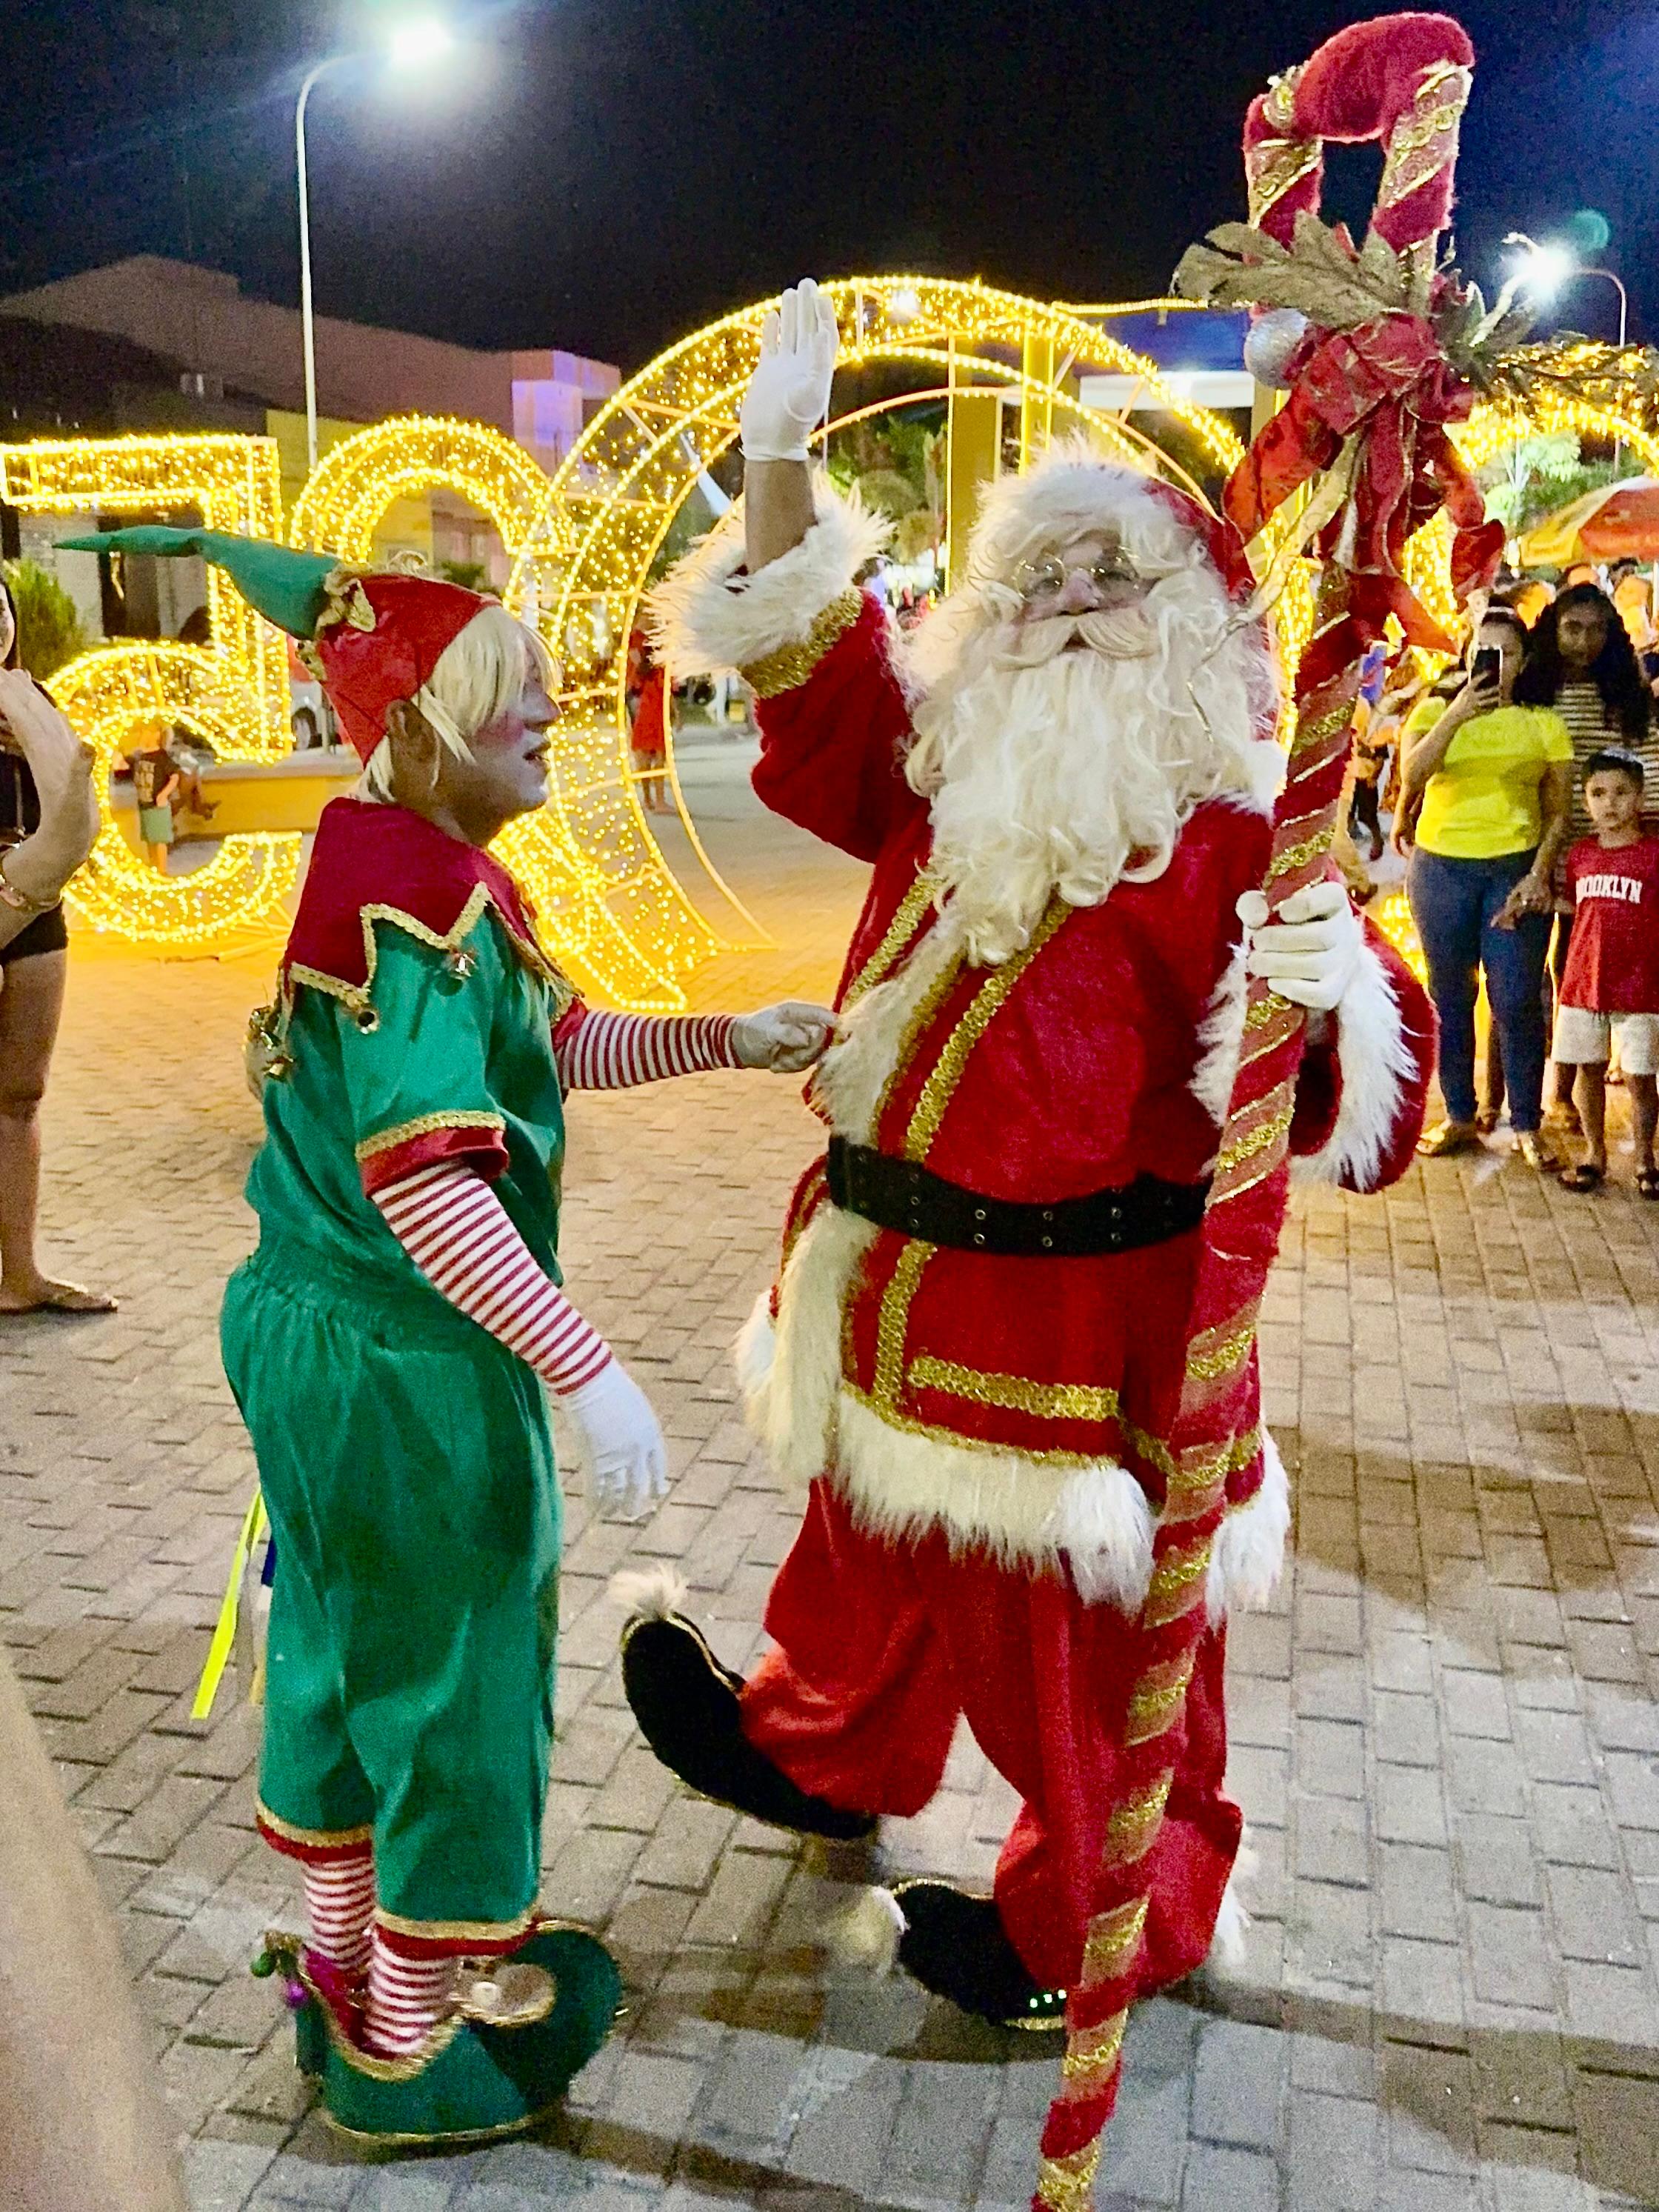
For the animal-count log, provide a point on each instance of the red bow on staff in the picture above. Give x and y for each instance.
(1385, 391)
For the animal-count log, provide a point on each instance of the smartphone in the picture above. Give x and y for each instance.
(1483, 668)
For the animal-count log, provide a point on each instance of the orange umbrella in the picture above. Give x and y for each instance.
(1620, 522)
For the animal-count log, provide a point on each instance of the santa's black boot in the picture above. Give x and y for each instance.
(686, 1705)
(956, 1946)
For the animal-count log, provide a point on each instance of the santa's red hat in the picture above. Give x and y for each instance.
(1074, 488)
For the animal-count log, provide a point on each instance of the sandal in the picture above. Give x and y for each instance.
(1448, 1138)
(1535, 1148)
(1586, 1175)
(1647, 1182)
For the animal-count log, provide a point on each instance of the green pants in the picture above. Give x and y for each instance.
(407, 1467)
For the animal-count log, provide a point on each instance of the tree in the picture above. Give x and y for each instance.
(1538, 477)
(49, 632)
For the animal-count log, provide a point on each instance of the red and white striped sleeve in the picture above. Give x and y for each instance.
(461, 1238)
(598, 1051)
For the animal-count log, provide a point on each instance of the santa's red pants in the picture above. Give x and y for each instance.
(881, 1645)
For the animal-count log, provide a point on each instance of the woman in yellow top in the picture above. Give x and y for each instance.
(1495, 782)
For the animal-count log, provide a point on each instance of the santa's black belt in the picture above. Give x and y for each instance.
(901, 1196)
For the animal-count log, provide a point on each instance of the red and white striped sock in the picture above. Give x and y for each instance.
(613, 1051)
(339, 1906)
(462, 1238)
(407, 1998)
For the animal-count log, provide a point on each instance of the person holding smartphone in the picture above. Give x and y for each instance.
(1494, 783)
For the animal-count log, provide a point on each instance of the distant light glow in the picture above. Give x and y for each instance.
(1543, 269)
(904, 304)
(425, 40)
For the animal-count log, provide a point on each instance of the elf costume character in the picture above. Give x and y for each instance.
(388, 1344)
(974, 1349)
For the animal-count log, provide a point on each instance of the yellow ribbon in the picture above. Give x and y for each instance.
(254, 1525)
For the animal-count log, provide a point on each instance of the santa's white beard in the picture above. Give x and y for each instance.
(1062, 767)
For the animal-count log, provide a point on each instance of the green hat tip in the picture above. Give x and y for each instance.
(283, 585)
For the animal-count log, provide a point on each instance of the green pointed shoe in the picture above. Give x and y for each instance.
(497, 2067)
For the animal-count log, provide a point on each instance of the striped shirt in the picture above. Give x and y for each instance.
(1579, 706)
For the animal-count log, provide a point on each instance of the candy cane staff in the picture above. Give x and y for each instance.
(389, 1342)
(972, 1356)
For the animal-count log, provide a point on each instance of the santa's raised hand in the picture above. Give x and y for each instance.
(788, 394)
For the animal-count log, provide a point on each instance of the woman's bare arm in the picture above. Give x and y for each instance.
(33, 874)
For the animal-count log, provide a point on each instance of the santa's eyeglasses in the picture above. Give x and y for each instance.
(1047, 578)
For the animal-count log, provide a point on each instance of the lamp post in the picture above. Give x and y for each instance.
(1546, 269)
(420, 40)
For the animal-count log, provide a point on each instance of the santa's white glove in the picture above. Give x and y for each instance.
(786, 1038)
(627, 1459)
(1311, 952)
(788, 394)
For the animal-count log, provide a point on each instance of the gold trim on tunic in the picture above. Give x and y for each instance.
(989, 1001)
(788, 668)
(387, 1140)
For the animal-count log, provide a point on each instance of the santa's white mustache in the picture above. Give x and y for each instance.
(1124, 633)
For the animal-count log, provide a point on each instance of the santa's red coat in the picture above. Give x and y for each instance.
(1000, 1398)
(986, 1438)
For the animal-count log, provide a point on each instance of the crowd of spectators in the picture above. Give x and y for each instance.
(1517, 782)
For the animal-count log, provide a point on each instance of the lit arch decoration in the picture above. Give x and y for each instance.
(357, 480)
(235, 691)
(612, 907)
(107, 694)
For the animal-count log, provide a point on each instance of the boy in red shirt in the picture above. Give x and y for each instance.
(1612, 979)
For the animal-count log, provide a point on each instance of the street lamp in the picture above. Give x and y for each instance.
(420, 40)
(1547, 268)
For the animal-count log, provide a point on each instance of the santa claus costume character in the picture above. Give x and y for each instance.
(390, 1344)
(974, 1349)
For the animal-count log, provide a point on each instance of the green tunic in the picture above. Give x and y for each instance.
(404, 1455)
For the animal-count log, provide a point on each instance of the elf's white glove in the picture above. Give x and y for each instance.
(627, 1459)
(786, 1038)
(1310, 953)
(788, 394)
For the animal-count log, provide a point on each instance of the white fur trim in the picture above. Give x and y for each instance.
(1023, 1511)
(1232, 1921)
(652, 1592)
(792, 1400)
(1375, 1063)
(867, 1933)
(752, 1356)
(705, 618)
(854, 1074)
(1249, 1555)
(1221, 1037)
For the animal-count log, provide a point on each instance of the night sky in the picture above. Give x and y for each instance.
(606, 174)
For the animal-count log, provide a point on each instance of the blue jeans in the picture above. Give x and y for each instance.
(1455, 904)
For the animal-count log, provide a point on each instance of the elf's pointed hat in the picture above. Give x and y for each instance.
(372, 638)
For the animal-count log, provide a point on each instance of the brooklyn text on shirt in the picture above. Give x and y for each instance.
(1628, 888)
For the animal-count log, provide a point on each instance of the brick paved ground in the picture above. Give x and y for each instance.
(1446, 1741)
